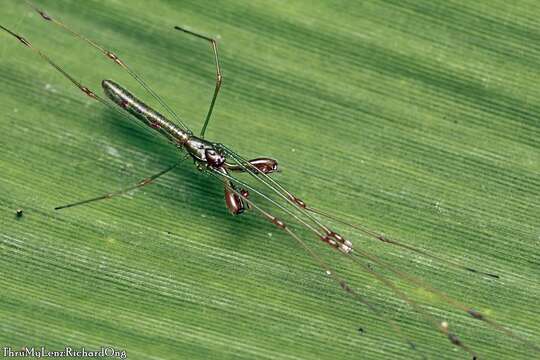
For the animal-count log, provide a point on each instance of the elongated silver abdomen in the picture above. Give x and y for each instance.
(143, 112)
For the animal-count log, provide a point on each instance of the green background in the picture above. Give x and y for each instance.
(418, 118)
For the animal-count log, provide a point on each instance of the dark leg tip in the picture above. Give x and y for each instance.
(495, 276)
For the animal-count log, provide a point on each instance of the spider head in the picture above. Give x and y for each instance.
(214, 158)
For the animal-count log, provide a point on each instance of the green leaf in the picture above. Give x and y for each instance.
(415, 118)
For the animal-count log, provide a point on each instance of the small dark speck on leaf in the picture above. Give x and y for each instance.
(19, 213)
(361, 330)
